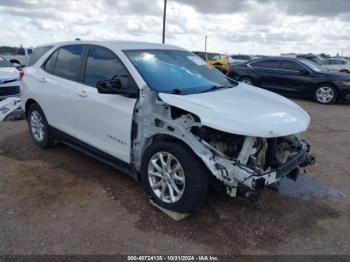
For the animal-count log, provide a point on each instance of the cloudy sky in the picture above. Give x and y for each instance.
(232, 26)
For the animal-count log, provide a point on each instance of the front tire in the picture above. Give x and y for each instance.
(325, 94)
(39, 128)
(174, 177)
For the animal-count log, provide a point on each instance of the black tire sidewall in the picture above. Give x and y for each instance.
(335, 94)
(46, 142)
(196, 176)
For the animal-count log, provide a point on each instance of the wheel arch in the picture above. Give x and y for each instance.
(170, 138)
(326, 83)
(28, 103)
(14, 61)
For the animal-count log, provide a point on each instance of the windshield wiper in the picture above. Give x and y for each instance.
(217, 87)
(176, 91)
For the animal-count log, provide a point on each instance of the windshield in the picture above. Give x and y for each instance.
(179, 72)
(5, 63)
(313, 66)
(316, 60)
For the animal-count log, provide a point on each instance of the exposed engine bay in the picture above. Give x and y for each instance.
(266, 153)
(259, 155)
(244, 164)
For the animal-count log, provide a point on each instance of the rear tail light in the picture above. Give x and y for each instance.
(21, 74)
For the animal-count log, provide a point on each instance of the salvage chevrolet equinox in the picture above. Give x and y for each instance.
(160, 114)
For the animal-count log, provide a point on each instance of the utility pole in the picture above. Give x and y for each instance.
(164, 18)
(205, 44)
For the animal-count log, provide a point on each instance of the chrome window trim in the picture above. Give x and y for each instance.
(280, 69)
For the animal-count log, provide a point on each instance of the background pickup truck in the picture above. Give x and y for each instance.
(20, 57)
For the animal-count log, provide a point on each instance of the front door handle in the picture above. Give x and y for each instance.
(82, 93)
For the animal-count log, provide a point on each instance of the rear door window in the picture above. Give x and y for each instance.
(291, 66)
(266, 64)
(65, 62)
(68, 61)
(49, 65)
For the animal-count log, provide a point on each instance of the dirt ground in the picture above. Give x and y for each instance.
(59, 201)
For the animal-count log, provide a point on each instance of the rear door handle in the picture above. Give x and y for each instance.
(82, 93)
(42, 79)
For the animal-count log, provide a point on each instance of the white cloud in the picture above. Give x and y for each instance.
(232, 26)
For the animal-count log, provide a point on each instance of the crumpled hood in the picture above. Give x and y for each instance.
(244, 110)
(8, 73)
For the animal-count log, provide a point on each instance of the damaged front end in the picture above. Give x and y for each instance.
(244, 164)
(248, 164)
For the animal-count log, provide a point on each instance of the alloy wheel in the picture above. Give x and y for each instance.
(325, 94)
(37, 126)
(166, 177)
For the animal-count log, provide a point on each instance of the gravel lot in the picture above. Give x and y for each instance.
(59, 201)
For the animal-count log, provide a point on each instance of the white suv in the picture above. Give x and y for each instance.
(160, 114)
(337, 64)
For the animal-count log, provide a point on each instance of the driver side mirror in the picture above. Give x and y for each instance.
(115, 86)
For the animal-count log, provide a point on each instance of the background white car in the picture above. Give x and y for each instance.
(336, 64)
(20, 57)
(9, 79)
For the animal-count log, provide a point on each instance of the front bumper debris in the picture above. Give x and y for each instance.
(302, 159)
(251, 182)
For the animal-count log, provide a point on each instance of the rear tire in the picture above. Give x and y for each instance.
(39, 128)
(325, 94)
(182, 190)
